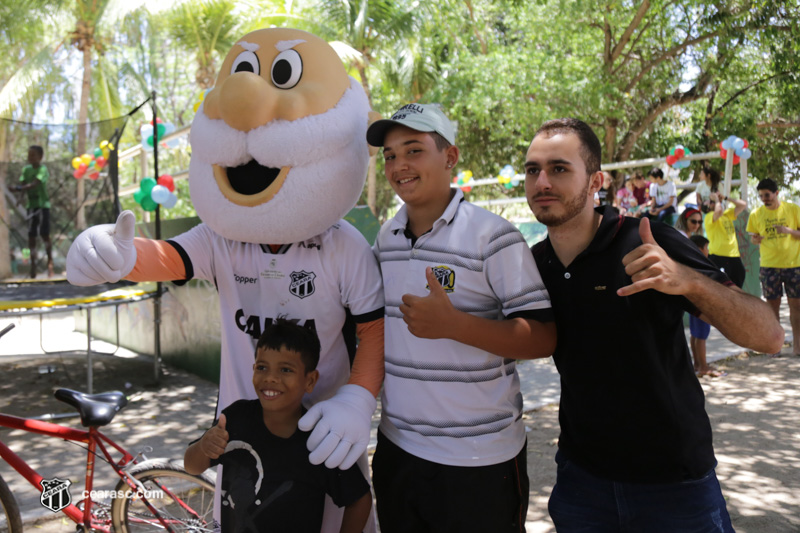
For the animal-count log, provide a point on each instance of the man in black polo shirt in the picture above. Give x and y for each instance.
(635, 451)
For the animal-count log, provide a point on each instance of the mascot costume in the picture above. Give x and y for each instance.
(279, 156)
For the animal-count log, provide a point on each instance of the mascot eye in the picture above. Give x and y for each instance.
(287, 69)
(246, 62)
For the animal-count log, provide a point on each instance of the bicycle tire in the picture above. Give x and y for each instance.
(10, 519)
(130, 515)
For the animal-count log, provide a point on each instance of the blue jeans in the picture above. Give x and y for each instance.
(583, 503)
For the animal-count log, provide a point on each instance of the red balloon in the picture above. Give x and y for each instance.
(679, 153)
(166, 180)
(735, 159)
(466, 189)
(723, 153)
(82, 167)
(671, 159)
(77, 174)
(746, 144)
(100, 162)
(94, 175)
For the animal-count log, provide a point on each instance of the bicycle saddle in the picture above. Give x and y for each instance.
(95, 409)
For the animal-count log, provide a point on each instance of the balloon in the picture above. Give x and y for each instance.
(101, 162)
(746, 144)
(82, 167)
(680, 152)
(106, 153)
(86, 158)
(167, 181)
(738, 144)
(138, 196)
(508, 185)
(77, 173)
(746, 153)
(94, 175)
(148, 204)
(76, 162)
(92, 163)
(161, 129)
(466, 189)
(671, 159)
(736, 160)
(98, 152)
(103, 145)
(159, 194)
(150, 141)
(170, 202)
(147, 185)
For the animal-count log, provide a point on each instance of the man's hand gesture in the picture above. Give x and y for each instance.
(650, 267)
(428, 317)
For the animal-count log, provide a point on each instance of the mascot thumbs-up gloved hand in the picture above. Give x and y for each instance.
(103, 254)
(279, 156)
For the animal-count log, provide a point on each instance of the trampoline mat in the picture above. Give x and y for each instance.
(56, 290)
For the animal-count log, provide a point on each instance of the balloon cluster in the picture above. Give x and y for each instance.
(675, 159)
(739, 146)
(462, 178)
(92, 163)
(507, 177)
(162, 128)
(153, 193)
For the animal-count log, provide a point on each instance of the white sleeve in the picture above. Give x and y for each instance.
(197, 251)
(358, 272)
(512, 273)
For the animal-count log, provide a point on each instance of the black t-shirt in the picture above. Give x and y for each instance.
(268, 484)
(631, 407)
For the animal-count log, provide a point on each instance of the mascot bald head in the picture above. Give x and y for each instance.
(278, 145)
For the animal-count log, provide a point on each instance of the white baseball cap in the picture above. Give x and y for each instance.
(419, 117)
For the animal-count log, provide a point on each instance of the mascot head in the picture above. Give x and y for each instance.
(278, 145)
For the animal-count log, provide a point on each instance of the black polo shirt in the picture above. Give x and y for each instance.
(631, 406)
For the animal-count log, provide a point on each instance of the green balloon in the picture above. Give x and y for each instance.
(98, 152)
(148, 204)
(138, 195)
(147, 185)
(161, 129)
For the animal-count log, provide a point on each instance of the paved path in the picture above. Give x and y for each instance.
(166, 416)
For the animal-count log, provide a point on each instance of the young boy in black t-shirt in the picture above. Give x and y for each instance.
(267, 481)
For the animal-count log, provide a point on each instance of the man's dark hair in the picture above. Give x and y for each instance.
(768, 184)
(37, 148)
(590, 144)
(699, 240)
(656, 173)
(285, 334)
(442, 144)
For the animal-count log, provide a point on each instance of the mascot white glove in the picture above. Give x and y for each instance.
(103, 254)
(341, 427)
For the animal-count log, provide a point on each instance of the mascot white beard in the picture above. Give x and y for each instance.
(322, 174)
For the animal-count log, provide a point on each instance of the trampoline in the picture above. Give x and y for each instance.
(24, 298)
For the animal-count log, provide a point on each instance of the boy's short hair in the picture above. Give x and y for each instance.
(656, 173)
(590, 144)
(37, 148)
(767, 184)
(285, 334)
(700, 241)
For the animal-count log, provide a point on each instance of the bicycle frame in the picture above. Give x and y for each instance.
(95, 439)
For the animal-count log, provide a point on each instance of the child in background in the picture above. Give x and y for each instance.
(33, 181)
(268, 483)
(700, 330)
(626, 200)
(662, 195)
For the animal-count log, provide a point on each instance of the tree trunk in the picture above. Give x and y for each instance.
(5, 245)
(83, 114)
(611, 138)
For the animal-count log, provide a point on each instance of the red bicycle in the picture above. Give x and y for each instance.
(152, 495)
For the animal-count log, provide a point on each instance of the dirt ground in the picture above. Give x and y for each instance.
(755, 416)
(754, 410)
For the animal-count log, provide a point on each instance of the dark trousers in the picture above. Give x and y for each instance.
(732, 266)
(419, 496)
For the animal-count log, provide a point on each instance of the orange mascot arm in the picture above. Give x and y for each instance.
(367, 368)
(156, 261)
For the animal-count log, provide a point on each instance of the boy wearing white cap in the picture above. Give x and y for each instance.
(464, 300)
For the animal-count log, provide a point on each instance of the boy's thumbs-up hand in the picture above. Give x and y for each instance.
(650, 267)
(428, 317)
(215, 439)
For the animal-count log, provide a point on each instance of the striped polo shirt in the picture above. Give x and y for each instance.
(442, 400)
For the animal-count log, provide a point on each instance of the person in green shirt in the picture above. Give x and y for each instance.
(33, 181)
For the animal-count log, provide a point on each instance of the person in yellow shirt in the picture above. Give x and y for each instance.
(723, 248)
(775, 227)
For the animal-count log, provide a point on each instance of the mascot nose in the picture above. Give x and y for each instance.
(245, 101)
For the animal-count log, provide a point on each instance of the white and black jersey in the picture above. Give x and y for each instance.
(315, 282)
(445, 401)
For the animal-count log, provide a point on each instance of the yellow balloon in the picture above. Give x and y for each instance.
(86, 159)
(106, 152)
(110, 146)
(76, 162)
(103, 145)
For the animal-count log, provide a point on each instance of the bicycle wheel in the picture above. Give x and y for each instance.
(183, 500)
(10, 521)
